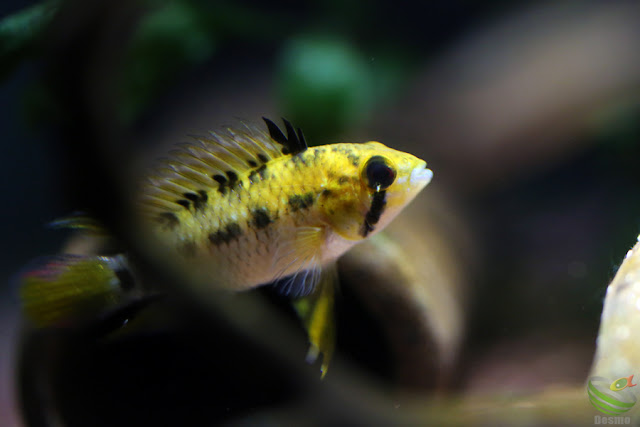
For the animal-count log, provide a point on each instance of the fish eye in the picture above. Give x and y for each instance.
(380, 174)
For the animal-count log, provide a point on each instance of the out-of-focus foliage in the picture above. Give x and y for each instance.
(328, 86)
(171, 37)
(20, 33)
(325, 83)
(322, 81)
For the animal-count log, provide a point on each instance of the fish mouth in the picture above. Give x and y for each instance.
(421, 175)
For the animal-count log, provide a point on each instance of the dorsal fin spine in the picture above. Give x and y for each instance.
(294, 143)
(303, 142)
(275, 132)
(244, 141)
(191, 174)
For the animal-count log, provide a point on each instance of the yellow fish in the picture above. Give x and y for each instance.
(622, 383)
(247, 208)
(244, 207)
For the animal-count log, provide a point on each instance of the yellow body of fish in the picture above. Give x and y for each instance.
(244, 208)
(241, 209)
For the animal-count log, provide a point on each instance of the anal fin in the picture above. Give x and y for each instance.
(317, 313)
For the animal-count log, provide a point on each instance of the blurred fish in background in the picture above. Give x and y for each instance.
(480, 303)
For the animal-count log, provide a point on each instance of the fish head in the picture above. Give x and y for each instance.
(384, 181)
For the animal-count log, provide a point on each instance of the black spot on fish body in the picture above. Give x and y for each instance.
(261, 218)
(298, 160)
(233, 230)
(169, 220)
(263, 158)
(222, 180)
(233, 178)
(298, 202)
(375, 212)
(317, 154)
(217, 237)
(184, 203)
(326, 193)
(261, 172)
(350, 155)
(230, 232)
(252, 163)
(199, 200)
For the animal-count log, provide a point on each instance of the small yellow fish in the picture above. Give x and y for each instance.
(622, 383)
(244, 208)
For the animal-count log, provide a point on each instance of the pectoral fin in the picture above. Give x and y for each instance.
(317, 313)
(303, 255)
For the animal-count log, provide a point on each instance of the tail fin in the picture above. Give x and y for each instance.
(60, 289)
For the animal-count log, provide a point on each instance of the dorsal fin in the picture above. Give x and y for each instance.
(218, 161)
(293, 143)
